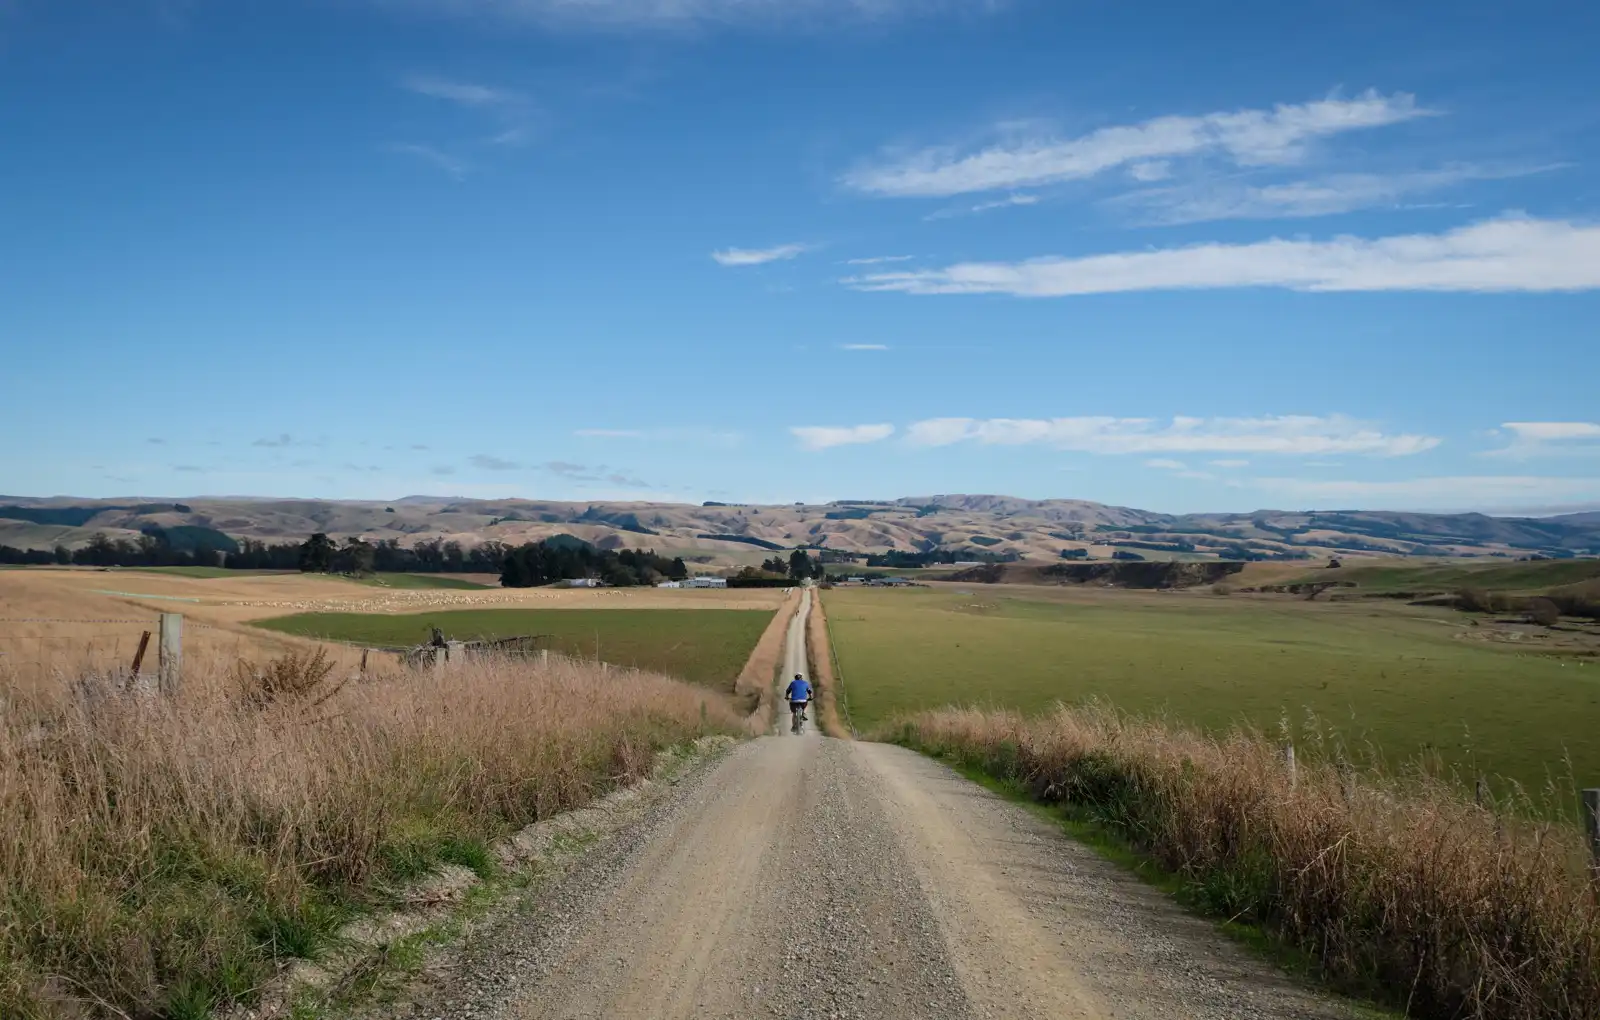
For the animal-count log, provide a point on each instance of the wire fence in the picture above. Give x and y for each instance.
(48, 649)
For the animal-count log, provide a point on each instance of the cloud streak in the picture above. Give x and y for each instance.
(1303, 435)
(511, 109)
(1321, 196)
(1010, 201)
(456, 167)
(464, 93)
(1272, 137)
(1507, 254)
(823, 437)
(1548, 438)
(758, 256)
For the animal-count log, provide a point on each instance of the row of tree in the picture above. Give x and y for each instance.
(152, 549)
(547, 562)
(800, 565)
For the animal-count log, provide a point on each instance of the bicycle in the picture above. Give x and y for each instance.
(797, 717)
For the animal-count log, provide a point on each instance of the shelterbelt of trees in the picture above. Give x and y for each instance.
(556, 559)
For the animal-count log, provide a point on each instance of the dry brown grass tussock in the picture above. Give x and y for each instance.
(820, 653)
(1407, 886)
(754, 686)
(158, 856)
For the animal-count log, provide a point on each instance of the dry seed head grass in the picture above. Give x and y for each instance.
(1456, 909)
(150, 847)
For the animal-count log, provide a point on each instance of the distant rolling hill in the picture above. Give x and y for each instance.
(970, 526)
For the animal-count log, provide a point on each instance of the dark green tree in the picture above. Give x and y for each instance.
(799, 564)
(357, 557)
(316, 554)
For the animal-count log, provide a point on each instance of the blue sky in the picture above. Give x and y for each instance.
(1176, 256)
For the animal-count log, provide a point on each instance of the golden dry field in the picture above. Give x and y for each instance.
(66, 622)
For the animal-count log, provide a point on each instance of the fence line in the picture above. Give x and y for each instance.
(52, 619)
(132, 623)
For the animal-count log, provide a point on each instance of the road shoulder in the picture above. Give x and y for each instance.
(1040, 925)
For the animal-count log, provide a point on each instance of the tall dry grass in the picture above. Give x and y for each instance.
(819, 653)
(1403, 886)
(158, 857)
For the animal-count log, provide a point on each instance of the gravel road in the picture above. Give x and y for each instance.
(806, 877)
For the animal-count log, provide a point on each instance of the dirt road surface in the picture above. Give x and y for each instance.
(806, 877)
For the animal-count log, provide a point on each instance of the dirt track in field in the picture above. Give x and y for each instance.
(811, 877)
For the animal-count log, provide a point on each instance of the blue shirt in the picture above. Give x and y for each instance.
(798, 690)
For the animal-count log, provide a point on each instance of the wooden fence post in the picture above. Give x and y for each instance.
(1591, 825)
(138, 656)
(1288, 762)
(170, 654)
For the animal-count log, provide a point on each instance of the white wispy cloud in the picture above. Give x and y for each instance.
(863, 347)
(465, 93)
(758, 256)
(982, 207)
(822, 437)
(1150, 170)
(1507, 254)
(517, 134)
(1306, 435)
(1231, 463)
(1165, 464)
(452, 165)
(1320, 196)
(1547, 438)
(1553, 431)
(1460, 491)
(879, 260)
(1244, 137)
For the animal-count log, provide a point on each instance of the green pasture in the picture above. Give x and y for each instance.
(705, 646)
(1384, 679)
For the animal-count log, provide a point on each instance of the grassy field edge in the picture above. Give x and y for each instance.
(375, 955)
(166, 858)
(1401, 892)
(1118, 849)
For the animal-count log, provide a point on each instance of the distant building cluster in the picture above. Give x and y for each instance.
(696, 582)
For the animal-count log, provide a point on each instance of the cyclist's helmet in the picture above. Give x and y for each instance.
(797, 676)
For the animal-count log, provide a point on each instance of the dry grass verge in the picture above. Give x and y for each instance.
(159, 858)
(1402, 886)
(820, 652)
(754, 685)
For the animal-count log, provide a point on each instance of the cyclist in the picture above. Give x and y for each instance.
(798, 693)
